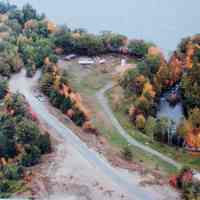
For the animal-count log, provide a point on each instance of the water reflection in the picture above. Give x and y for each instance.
(174, 113)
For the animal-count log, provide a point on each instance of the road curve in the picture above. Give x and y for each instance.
(105, 105)
(24, 86)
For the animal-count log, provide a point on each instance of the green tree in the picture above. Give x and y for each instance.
(144, 69)
(112, 41)
(5, 69)
(46, 84)
(153, 63)
(44, 143)
(162, 128)
(43, 49)
(7, 125)
(7, 147)
(182, 47)
(138, 48)
(28, 13)
(13, 171)
(88, 44)
(17, 15)
(66, 104)
(57, 99)
(27, 132)
(37, 51)
(127, 81)
(78, 118)
(196, 56)
(31, 156)
(15, 26)
(53, 58)
(190, 86)
(4, 186)
(64, 40)
(150, 127)
(3, 88)
(12, 57)
(17, 103)
(127, 153)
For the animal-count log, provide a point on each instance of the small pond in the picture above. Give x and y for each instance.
(174, 113)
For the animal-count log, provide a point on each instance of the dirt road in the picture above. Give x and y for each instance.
(104, 103)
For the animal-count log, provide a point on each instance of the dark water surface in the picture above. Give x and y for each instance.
(174, 113)
(163, 22)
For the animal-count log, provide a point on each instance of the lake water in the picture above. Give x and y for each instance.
(163, 22)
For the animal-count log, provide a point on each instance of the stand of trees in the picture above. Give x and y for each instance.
(21, 142)
(55, 86)
(3, 88)
(152, 76)
(189, 54)
(144, 85)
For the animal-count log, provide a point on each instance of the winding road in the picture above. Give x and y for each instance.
(105, 105)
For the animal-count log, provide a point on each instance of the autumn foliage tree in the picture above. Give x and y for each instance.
(55, 85)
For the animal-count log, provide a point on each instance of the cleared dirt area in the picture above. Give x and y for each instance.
(65, 175)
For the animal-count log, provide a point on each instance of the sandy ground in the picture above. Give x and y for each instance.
(67, 176)
(64, 174)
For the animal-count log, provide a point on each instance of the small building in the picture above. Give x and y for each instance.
(102, 61)
(85, 62)
(70, 57)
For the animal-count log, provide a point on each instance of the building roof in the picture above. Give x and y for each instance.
(86, 62)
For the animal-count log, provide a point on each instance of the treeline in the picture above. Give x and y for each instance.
(23, 40)
(28, 38)
(83, 43)
(55, 85)
(188, 53)
(21, 142)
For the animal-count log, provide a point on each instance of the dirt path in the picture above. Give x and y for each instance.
(104, 103)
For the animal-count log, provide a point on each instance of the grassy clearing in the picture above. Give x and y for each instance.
(149, 161)
(179, 155)
(91, 82)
